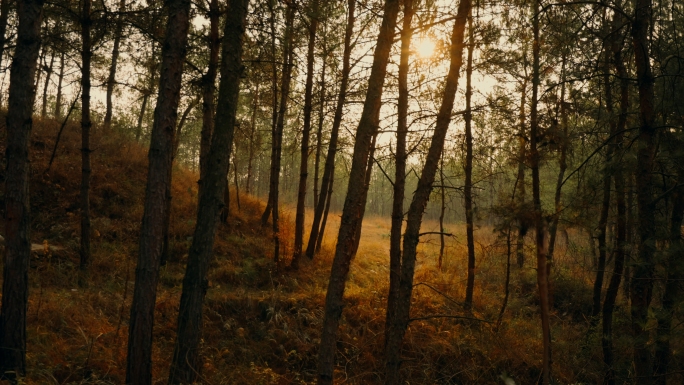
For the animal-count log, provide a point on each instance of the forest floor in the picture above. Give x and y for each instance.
(262, 326)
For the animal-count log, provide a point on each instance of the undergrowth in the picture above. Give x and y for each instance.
(262, 324)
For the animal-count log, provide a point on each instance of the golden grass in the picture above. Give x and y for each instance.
(263, 326)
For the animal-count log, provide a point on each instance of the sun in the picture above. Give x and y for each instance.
(425, 47)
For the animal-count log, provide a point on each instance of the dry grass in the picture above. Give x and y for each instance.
(263, 326)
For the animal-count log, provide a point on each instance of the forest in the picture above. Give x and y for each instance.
(342, 192)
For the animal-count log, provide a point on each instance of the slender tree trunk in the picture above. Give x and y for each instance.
(621, 234)
(542, 279)
(468, 186)
(288, 53)
(252, 133)
(208, 88)
(522, 155)
(186, 365)
(366, 184)
(17, 207)
(39, 71)
(306, 131)
(603, 222)
(672, 294)
(642, 282)
(141, 116)
(393, 358)
(401, 319)
(274, 118)
(85, 143)
(43, 111)
(139, 362)
(442, 210)
(354, 202)
(111, 80)
(60, 78)
(319, 132)
(321, 211)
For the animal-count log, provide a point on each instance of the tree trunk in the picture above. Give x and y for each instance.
(642, 282)
(442, 211)
(319, 132)
(393, 358)
(321, 211)
(306, 131)
(354, 202)
(288, 53)
(186, 365)
(17, 207)
(621, 233)
(252, 133)
(401, 316)
(111, 80)
(141, 116)
(208, 89)
(58, 100)
(139, 362)
(4, 13)
(522, 155)
(85, 143)
(542, 279)
(468, 186)
(43, 111)
(274, 117)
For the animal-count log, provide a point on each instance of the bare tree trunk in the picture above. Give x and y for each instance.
(111, 80)
(319, 132)
(252, 133)
(393, 359)
(274, 118)
(621, 234)
(85, 143)
(354, 202)
(522, 155)
(468, 186)
(186, 365)
(401, 319)
(306, 131)
(643, 269)
(141, 116)
(43, 111)
(321, 211)
(208, 88)
(235, 179)
(288, 53)
(17, 207)
(58, 100)
(542, 279)
(139, 360)
(442, 210)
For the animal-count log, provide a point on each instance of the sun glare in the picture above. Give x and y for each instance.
(425, 47)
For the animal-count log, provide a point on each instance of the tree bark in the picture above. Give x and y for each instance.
(393, 359)
(43, 111)
(252, 133)
(401, 319)
(17, 207)
(542, 279)
(111, 80)
(321, 211)
(319, 131)
(288, 53)
(186, 366)
(139, 360)
(208, 88)
(86, 55)
(468, 186)
(643, 269)
(274, 117)
(621, 234)
(354, 202)
(522, 155)
(60, 78)
(306, 132)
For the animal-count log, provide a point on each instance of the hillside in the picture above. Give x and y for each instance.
(262, 326)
